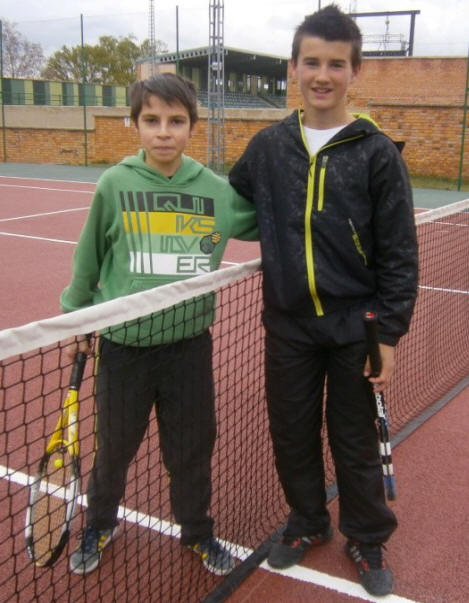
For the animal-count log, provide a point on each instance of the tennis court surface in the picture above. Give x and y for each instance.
(42, 210)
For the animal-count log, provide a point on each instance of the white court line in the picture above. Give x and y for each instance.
(46, 213)
(459, 291)
(142, 520)
(159, 525)
(352, 589)
(44, 188)
(21, 236)
(451, 224)
(297, 572)
(47, 179)
(12, 234)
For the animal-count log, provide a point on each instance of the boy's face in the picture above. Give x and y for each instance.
(324, 73)
(164, 133)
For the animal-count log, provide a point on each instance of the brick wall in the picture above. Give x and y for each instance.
(114, 140)
(28, 145)
(408, 80)
(418, 100)
(432, 136)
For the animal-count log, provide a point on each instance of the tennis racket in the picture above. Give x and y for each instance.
(54, 490)
(371, 322)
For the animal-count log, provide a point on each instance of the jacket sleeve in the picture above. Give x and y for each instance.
(395, 244)
(88, 257)
(240, 177)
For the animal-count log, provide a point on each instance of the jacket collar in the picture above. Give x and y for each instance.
(363, 125)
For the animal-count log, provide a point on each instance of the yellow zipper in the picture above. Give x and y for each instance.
(308, 228)
(357, 242)
(309, 240)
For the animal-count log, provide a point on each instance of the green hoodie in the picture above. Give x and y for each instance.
(145, 230)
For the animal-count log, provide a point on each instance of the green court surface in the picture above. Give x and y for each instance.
(48, 171)
(423, 197)
(429, 198)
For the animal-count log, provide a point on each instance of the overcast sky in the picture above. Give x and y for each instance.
(441, 28)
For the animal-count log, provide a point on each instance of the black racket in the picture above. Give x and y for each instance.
(371, 322)
(54, 490)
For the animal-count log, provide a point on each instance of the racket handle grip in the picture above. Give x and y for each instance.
(78, 370)
(391, 488)
(370, 320)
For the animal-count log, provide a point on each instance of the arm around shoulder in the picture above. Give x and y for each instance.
(240, 176)
(244, 221)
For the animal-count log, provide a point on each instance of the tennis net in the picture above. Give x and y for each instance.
(146, 561)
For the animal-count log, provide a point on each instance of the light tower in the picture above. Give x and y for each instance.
(151, 37)
(216, 87)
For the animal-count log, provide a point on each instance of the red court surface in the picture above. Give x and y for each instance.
(40, 221)
(428, 553)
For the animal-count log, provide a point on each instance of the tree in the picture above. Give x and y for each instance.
(111, 61)
(21, 58)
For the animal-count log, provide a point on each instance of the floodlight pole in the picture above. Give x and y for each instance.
(2, 91)
(216, 87)
(411, 35)
(83, 76)
(177, 39)
(463, 134)
(152, 38)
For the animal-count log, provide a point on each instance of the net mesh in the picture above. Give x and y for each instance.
(433, 357)
(145, 561)
(48, 507)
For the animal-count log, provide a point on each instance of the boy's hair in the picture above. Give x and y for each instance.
(332, 25)
(170, 88)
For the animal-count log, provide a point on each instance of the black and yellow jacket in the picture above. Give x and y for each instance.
(336, 228)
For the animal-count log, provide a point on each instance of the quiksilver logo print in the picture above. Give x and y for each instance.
(169, 233)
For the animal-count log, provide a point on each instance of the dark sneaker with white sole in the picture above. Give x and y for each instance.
(215, 557)
(88, 555)
(290, 550)
(373, 571)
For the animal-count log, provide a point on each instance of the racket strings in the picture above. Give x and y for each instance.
(49, 510)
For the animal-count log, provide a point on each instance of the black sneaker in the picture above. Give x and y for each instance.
(215, 557)
(290, 550)
(373, 572)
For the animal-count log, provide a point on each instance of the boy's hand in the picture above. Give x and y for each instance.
(387, 368)
(80, 343)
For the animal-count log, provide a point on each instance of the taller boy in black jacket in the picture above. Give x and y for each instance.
(337, 233)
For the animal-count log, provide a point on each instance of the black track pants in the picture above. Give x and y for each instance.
(300, 361)
(177, 380)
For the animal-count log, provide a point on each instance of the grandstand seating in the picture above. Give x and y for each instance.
(242, 100)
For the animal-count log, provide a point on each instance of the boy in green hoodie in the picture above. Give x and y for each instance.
(156, 218)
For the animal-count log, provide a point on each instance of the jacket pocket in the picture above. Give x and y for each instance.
(322, 179)
(357, 243)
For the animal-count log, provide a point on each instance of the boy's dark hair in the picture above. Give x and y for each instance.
(170, 88)
(332, 25)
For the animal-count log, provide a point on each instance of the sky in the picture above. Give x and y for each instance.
(441, 28)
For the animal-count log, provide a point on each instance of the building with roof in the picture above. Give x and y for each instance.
(253, 80)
